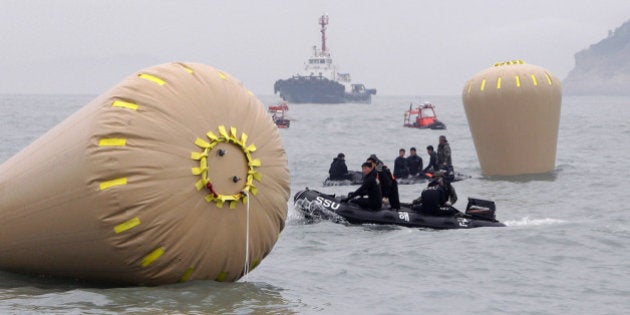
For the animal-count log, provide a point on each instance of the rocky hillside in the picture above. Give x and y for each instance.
(603, 68)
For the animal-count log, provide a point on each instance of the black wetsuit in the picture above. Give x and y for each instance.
(433, 164)
(338, 169)
(401, 169)
(389, 187)
(434, 197)
(372, 189)
(414, 162)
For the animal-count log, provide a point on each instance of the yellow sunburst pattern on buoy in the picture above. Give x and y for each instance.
(203, 169)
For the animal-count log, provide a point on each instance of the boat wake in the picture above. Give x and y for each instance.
(526, 221)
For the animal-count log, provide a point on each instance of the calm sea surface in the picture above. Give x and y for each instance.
(566, 249)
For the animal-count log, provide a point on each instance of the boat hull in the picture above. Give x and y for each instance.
(436, 125)
(318, 90)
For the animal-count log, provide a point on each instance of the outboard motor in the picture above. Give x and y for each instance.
(482, 209)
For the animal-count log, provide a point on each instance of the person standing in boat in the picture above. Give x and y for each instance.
(438, 197)
(433, 164)
(444, 152)
(370, 188)
(338, 169)
(389, 186)
(414, 162)
(401, 169)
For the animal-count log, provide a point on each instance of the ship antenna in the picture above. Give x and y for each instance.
(323, 21)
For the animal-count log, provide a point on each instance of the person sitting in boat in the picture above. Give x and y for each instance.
(389, 186)
(433, 164)
(438, 197)
(401, 169)
(370, 188)
(414, 162)
(338, 169)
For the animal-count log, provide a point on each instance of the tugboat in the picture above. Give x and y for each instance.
(277, 114)
(320, 83)
(422, 117)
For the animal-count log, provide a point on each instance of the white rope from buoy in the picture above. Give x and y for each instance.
(246, 267)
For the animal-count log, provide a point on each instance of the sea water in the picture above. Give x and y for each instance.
(565, 250)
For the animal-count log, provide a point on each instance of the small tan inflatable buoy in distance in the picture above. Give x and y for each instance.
(513, 112)
(175, 174)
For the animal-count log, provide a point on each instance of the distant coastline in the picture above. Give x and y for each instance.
(603, 68)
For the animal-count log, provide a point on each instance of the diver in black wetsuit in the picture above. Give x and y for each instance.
(369, 187)
(338, 169)
(414, 162)
(401, 167)
(433, 164)
(438, 195)
(389, 185)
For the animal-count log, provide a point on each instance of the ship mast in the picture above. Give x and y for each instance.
(323, 21)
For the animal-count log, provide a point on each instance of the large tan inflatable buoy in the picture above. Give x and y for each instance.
(175, 174)
(513, 112)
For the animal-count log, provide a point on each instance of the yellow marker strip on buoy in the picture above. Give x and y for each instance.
(187, 69)
(212, 136)
(201, 184)
(124, 104)
(127, 225)
(469, 86)
(201, 143)
(112, 142)
(518, 81)
(255, 162)
(186, 275)
(149, 259)
(483, 85)
(114, 182)
(198, 155)
(198, 170)
(534, 80)
(221, 276)
(222, 75)
(152, 78)
(223, 132)
(548, 78)
(498, 83)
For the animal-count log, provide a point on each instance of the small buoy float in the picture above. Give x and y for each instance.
(175, 174)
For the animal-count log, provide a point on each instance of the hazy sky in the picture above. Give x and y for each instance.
(407, 47)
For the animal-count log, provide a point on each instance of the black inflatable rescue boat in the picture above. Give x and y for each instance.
(317, 206)
(356, 178)
(352, 178)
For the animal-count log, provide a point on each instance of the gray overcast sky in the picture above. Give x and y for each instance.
(407, 47)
